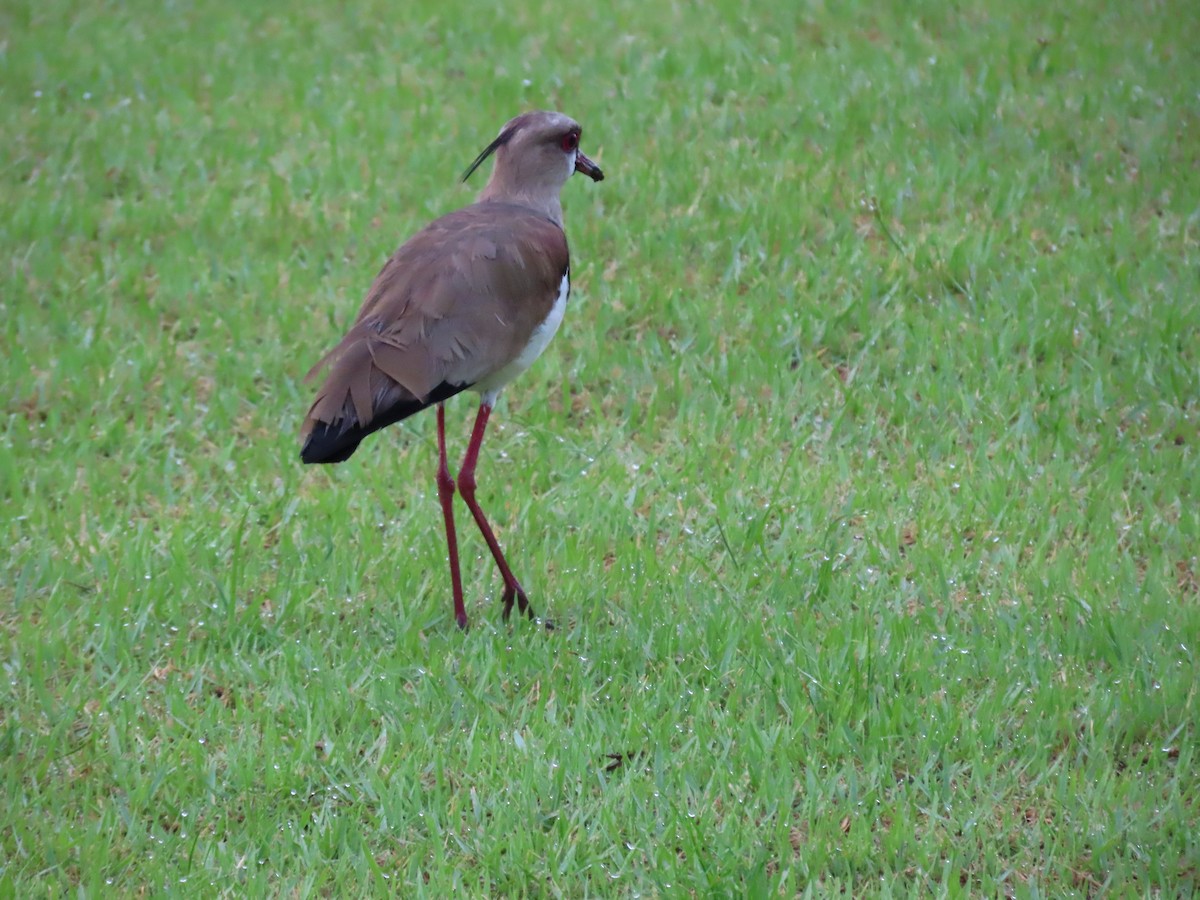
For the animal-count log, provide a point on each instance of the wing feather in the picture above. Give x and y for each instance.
(455, 303)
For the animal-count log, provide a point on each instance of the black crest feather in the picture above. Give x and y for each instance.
(502, 138)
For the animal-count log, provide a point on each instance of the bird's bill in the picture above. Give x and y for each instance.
(587, 167)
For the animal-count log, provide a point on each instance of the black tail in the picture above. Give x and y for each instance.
(330, 444)
(337, 442)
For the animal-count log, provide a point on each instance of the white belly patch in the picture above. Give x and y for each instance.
(491, 386)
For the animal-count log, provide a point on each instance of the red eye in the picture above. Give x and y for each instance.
(570, 141)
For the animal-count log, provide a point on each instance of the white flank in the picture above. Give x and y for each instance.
(491, 386)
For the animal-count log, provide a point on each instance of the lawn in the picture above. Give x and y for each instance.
(860, 482)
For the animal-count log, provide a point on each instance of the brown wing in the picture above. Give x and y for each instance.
(455, 303)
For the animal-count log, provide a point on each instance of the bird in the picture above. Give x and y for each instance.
(467, 303)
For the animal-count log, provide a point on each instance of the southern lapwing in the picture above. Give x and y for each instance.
(467, 303)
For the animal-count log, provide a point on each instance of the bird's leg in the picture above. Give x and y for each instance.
(466, 485)
(445, 487)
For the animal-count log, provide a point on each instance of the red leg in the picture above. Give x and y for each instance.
(445, 486)
(466, 486)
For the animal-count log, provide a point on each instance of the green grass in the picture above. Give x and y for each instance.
(861, 480)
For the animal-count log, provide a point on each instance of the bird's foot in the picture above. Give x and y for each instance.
(515, 593)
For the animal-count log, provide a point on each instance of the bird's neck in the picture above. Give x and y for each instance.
(545, 203)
